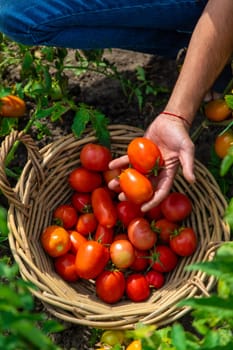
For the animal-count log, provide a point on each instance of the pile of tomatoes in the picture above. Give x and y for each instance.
(96, 236)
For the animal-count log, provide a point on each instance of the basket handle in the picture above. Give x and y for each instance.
(33, 155)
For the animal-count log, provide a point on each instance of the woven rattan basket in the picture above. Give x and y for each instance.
(43, 185)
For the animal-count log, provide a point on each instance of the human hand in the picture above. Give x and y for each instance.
(172, 138)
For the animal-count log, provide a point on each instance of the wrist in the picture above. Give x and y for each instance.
(178, 116)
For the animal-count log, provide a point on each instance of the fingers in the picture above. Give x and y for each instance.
(187, 163)
(120, 162)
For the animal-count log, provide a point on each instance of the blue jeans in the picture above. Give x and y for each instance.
(159, 27)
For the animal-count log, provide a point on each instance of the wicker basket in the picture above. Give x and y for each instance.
(43, 185)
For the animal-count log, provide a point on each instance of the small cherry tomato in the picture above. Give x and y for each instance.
(141, 261)
(65, 215)
(95, 157)
(86, 224)
(55, 240)
(65, 267)
(163, 258)
(141, 235)
(184, 241)
(110, 286)
(137, 287)
(76, 240)
(12, 106)
(91, 259)
(111, 174)
(164, 228)
(217, 110)
(135, 345)
(155, 279)
(136, 186)
(112, 337)
(122, 253)
(103, 207)
(144, 155)
(155, 213)
(84, 180)
(222, 143)
(81, 202)
(104, 234)
(176, 206)
(127, 211)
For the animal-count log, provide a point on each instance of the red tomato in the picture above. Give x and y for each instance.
(137, 287)
(55, 240)
(122, 253)
(84, 180)
(104, 234)
(137, 188)
(176, 206)
(119, 236)
(66, 216)
(155, 213)
(141, 261)
(91, 259)
(110, 286)
(95, 157)
(141, 235)
(65, 267)
(110, 175)
(163, 259)
(164, 228)
(81, 202)
(76, 240)
(144, 155)
(127, 211)
(155, 279)
(12, 106)
(86, 224)
(184, 241)
(103, 207)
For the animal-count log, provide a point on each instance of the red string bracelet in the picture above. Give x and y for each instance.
(177, 116)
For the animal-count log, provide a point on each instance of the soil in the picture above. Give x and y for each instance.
(107, 96)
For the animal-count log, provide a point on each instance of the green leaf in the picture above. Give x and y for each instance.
(178, 337)
(229, 100)
(99, 123)
(7, 125)
(80, 121)
(27, 61)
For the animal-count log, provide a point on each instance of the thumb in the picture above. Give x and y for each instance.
(187, 163)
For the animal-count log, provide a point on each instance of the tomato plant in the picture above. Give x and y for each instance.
(65, 267)
(184, 241)
(95, 157)
(76, 239)
(91, 259)
(163, 258)
(137, 288)
(176, 206)
(12, 106)
(81, 202)
(65, 215)
(222, 143)
(86, 224)
(217, 110)
(144, 155)
(127, 211)
(141, 234)
(110, 286)
(122, 253)
(164, 228)
(84, 180)
(155, 279)
(104, 207)
(55, 240)
(137, 188)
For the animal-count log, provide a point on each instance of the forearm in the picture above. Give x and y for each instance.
(209, 50)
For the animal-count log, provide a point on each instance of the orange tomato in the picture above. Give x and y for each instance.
(217, 110)
(222, 143)
(135, 345)
(55, 240)
(12, 106)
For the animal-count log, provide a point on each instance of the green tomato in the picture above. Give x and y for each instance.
(4, 230)
(112, 337)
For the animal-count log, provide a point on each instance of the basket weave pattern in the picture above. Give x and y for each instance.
(43, 186)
